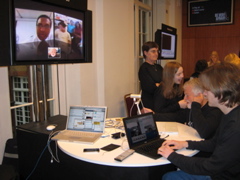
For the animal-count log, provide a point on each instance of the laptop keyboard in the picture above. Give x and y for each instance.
(150, 149)
(82, 134)
(151, 146)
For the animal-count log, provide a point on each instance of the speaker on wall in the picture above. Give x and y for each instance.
(5, 33)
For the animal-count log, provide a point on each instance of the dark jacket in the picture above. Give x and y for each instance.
(224, 163)
(149, 75)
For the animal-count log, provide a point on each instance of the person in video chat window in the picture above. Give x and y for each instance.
(53, 53)
(43, 28)
(61, 33)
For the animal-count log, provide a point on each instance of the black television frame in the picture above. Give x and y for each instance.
(8, 37)
(216, 12)
(171, 32)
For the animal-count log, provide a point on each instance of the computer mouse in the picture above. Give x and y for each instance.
(51, 127)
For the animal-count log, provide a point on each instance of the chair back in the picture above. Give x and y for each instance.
(130, 105)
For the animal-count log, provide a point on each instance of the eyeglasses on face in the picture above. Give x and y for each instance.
(47, 26)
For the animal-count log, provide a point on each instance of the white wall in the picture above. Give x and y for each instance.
(111, 75)
(169, 12)
(5, 114)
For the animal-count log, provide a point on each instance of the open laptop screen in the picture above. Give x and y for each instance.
(90, 119)
(140, 129)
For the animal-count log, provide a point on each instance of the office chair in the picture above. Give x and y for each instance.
(131, 107)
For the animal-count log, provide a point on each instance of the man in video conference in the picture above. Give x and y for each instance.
(43, 27)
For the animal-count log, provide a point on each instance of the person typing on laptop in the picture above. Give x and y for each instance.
(222, 88)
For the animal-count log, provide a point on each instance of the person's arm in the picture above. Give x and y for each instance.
(166, 117)
(205, 119)
(147, 82)
(225, 156)
(167, 147)
(163, 105)
(225, 147)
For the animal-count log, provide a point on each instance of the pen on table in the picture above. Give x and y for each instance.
(166, 136)
(103, 136)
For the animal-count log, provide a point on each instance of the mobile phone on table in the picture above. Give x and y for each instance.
(91, 150)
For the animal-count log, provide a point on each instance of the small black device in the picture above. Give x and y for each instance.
(118, 135)
(91, 150)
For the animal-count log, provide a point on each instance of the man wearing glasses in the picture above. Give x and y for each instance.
(43, 27)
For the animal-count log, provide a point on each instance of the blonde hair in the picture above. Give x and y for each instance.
(232, 58)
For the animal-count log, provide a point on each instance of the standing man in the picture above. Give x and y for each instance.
(222, 88)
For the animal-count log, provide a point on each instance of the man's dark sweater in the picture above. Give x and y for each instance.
(224, 163)
(204, 119)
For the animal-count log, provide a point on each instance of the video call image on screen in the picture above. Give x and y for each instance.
(141, 129)
(47, 35)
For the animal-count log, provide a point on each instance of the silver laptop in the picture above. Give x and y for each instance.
(85, 124)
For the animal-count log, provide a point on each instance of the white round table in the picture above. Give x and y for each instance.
(106, 158)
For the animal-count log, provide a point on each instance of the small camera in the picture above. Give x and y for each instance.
(118, 135)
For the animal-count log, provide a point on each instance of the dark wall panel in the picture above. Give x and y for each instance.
(199, 42)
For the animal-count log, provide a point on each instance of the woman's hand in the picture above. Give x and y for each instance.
(146, 110)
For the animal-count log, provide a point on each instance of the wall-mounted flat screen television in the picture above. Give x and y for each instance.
(166, 38)
(210, 12)
(43, 33)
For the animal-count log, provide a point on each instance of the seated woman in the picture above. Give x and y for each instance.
(168, 97)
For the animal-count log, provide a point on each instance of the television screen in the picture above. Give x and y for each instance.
(213, 12)
(168, 46)
(43, 33)
(166, 38)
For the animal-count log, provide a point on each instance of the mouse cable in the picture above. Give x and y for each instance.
(109, 123)
(49, 147)
(37, 162)
(131, 109)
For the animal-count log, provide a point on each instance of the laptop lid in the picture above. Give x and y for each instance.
(87, 118)
(140, 129)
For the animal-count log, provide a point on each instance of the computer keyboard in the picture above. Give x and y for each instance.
(81, 134)
(151, 146)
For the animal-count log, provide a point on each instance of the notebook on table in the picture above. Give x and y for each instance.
(142, 135)
(85, 124)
